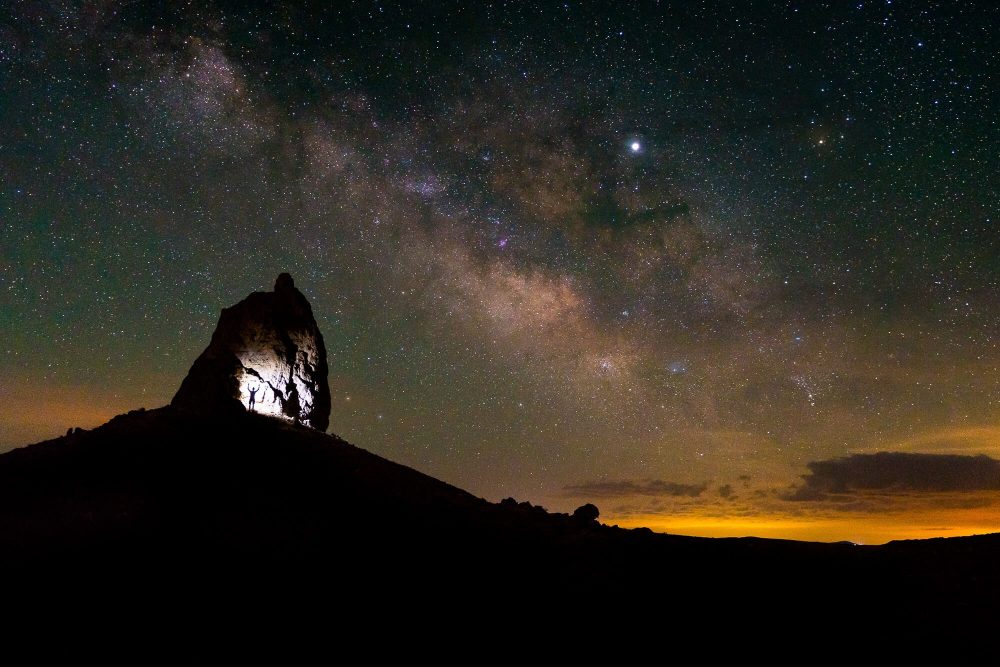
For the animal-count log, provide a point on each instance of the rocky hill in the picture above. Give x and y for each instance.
(170, 503)
(233, 500)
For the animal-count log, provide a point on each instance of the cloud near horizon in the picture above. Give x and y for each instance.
(627, 487)
(897, 472)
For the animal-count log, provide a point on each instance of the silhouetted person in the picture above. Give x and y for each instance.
(253, 397)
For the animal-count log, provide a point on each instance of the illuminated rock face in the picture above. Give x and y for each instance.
(266, 355)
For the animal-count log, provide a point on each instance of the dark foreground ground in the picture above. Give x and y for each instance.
(168, 515)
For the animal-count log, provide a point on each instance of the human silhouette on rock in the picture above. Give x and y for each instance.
(253, 396)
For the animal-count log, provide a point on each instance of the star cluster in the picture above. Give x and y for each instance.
(556, 248)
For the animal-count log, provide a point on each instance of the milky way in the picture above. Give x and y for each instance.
(665, 257)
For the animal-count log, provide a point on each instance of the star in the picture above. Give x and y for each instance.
(635, 146)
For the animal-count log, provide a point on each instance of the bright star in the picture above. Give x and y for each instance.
(635, 146)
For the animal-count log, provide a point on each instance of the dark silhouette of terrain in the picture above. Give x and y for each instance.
(164, 508)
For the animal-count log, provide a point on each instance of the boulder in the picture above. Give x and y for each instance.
(588, 512)
(266, 355)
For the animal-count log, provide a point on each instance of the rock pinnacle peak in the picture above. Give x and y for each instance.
(284, 282)
(266, 355)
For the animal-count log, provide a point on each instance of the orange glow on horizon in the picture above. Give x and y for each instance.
(47, 413)
(861, 529)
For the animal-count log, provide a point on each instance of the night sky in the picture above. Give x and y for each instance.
(695, 262)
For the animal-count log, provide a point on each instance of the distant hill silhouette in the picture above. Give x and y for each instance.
(165, 504)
